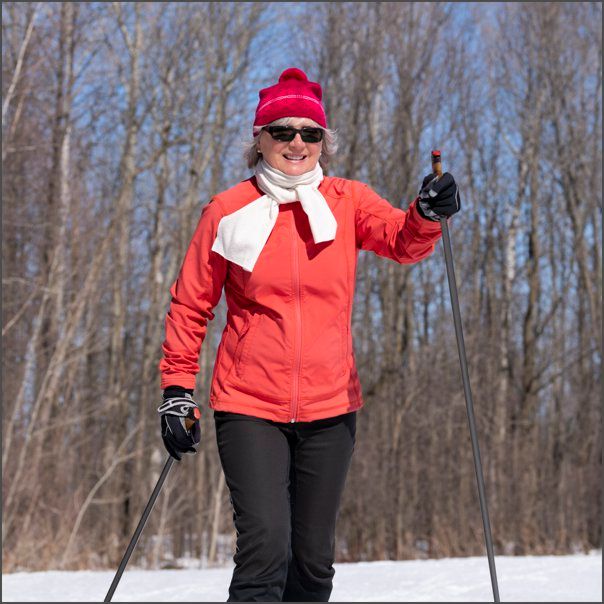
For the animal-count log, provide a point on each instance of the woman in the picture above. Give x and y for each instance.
(285, 391)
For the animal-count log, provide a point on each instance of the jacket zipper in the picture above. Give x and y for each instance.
(298, 342)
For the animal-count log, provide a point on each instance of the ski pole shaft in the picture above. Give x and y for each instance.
(437, 168)
(139, 529)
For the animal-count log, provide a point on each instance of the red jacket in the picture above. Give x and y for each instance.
(286, 351)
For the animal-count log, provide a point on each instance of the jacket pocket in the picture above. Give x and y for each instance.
(220, 354)
(229, 351)
(325, 364)
(244, 346)
(345, 338)
(264, 361)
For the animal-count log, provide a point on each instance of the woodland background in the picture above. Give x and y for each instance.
(120, 120)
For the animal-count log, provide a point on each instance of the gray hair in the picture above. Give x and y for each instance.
(328, 150)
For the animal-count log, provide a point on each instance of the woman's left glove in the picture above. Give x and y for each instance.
(438, 198)
(180, 416)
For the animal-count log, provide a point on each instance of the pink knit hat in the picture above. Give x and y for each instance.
(292, 96)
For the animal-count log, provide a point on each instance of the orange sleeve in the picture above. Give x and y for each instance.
(403, 236)
(195, 293)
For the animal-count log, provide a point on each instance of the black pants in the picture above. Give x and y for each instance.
(285, 482)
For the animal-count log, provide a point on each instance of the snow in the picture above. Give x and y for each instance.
(576, 578)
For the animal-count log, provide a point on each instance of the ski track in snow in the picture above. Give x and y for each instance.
(576, 578)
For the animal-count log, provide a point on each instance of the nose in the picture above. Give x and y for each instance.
(297, 142)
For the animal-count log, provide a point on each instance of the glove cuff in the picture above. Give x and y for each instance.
(176, 391)
(424, 210)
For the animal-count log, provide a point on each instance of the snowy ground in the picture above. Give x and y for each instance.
(575, 578)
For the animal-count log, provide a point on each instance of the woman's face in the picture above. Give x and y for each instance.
(292, 158)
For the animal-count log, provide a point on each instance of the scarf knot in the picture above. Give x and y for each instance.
(243, 234)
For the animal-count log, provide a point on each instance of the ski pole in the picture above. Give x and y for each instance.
(437, 168)
(139, 528)
(189, 421)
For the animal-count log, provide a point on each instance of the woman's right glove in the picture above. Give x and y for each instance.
(180, 416)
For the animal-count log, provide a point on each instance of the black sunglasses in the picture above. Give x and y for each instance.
(285, 134)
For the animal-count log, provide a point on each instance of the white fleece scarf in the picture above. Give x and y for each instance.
(242, 235)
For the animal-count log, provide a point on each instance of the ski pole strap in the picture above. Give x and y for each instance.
(183, 407)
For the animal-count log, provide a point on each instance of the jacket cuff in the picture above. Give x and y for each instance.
(422, 224)
(182, 380)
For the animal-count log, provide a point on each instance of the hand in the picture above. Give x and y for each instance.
(180, 428)
(438, 197)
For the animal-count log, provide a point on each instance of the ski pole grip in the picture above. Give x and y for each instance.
(194, 416)
(436, 163)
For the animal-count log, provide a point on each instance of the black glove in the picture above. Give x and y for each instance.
(438, 197)
(174, 412)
